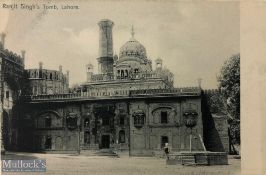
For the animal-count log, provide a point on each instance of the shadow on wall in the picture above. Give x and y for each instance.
(24, 125)
(5, 131)
(212, 139)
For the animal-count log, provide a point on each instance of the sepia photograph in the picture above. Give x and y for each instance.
(120, 87)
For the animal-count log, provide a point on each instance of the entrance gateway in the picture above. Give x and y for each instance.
(105, 141)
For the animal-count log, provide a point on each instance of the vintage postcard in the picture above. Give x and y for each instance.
(120, 87)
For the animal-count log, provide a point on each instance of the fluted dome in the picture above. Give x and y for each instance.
(132, 48)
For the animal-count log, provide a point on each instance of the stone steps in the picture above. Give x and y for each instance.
(201, 160)
(188, 160)
(198, 158)
(100, 152)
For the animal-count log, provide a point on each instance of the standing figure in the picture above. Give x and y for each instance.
(166, 150)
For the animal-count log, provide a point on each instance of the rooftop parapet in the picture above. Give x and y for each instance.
(174, 91)
(189, 91)
(111, 77)
(211, 91)
(102, 77)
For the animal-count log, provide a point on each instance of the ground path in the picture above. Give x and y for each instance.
(63, 164)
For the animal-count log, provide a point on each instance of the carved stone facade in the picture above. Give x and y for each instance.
(164, 122)
(140, 123)
(127, 107)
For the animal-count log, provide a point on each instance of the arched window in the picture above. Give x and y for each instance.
(126, 73)
(86, 122)
(139, 118)
(35, 90)
(122, 136)
(7, 94)
(58, 143)
(122, 73)
(48, 121)
(122, 120)
(51, 76)
(164, 118)
(71, 120)
(48, 142)
(105, 121)
(87, 137)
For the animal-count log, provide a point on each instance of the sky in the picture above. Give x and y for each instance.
(193, 38)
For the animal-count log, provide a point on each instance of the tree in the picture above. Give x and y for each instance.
(229, 86)
(215, 103)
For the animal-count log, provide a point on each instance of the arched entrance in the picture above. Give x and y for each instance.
(105, 141)
(122, 136)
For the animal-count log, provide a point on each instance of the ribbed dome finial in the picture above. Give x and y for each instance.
(132, 31)
(132, 48)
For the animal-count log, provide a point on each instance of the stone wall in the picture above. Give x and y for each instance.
(149, 138)
(221, 126)
(73, 126)
(139, 125)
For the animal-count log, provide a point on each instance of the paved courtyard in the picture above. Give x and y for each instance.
(63, 164)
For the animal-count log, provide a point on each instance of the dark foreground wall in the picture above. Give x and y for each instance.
(215, 124)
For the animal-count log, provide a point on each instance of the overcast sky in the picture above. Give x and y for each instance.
(192, 38)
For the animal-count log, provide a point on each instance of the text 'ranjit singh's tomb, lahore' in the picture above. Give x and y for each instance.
(128, 107)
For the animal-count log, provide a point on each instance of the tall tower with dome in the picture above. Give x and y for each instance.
(130, 70)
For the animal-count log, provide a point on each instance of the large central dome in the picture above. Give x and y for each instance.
(133, 48)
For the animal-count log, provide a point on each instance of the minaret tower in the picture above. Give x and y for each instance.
(105, 60)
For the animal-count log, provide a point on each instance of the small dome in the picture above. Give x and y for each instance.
(133, 48)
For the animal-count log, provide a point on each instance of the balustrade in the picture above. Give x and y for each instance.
(102, 77)
(116, 93)
(183, 91)
(139, 75)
